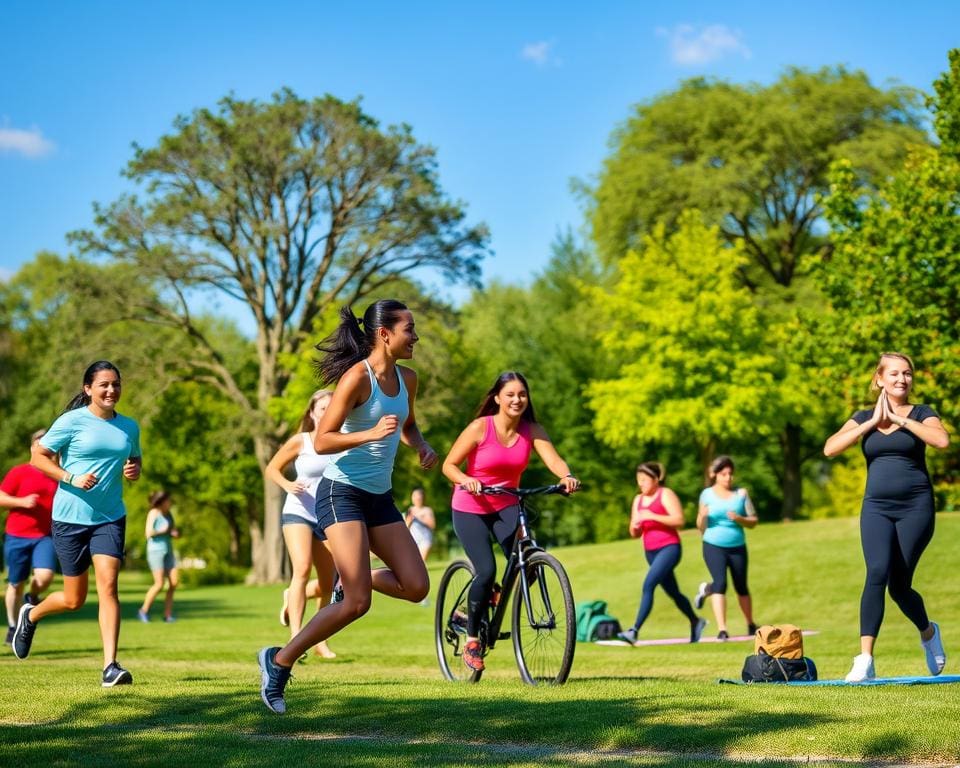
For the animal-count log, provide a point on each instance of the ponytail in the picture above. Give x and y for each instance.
(354, 339)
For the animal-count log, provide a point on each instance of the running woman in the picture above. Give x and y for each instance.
(160, 532)
(305, 544)
(370, 414)
(725, 511)
(89, 449)
(657, 516)
(496, 447)
(28, 494)
(896, 518)
(421, 521)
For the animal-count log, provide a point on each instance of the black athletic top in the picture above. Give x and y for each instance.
(897, 478)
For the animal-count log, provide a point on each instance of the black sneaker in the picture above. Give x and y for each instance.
(31, 599)
(23, 634)
(628, 636)
(273, 679)
(722, 636)
(116, 675)
(752, 629)
(696, 630)
(337, 596)
(10, 631)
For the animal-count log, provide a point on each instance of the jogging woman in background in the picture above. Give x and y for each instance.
(421, 521)
(371, 412)
(160, 531)
(896, 519)
(656, 515)
(299, 520)
(725, 511)
(496, 448)
(89, 449)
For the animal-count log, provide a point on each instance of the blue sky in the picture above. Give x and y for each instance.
(518, 98)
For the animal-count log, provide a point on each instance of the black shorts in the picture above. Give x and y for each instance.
(341, 503)
(76, 544)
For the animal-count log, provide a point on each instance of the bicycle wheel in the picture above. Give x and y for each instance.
(545, 638)
(450, 622)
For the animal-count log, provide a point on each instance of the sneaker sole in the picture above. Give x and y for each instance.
(125, 678)
(264, 680)
(20, 618)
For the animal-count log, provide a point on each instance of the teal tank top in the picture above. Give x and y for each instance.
(370, 466)
(721, 530)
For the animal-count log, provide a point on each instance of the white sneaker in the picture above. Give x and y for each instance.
(701, 595)
(862, 669)
(933, 650)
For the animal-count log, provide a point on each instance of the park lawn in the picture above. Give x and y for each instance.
(196, 701)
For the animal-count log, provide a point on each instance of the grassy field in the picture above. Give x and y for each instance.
(382, 701)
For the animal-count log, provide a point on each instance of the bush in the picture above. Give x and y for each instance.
(214, 573)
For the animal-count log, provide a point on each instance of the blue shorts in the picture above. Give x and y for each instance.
(341, 503)
(161, 559)
(77, 544)
(20, 554)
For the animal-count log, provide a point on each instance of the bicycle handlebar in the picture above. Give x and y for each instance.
(544, 490)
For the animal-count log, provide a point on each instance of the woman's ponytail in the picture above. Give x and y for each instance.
(353, 339)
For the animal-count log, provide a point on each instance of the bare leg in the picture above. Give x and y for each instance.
(153, 591)
(107, 570)
(42, 578)
(405, 576)
(322, 588)
(13, 599)
(298, 539)
(867, 642)
(351, 551)
(746, 606)
(173, 581)
(70, 598)
(719, 602)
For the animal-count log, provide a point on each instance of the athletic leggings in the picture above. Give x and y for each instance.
(474, 532)
(892, 544)
(718, 559)
(662, 562)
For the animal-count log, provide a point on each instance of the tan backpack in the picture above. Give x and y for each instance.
(782, 641)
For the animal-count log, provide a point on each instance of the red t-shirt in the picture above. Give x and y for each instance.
(23, 480)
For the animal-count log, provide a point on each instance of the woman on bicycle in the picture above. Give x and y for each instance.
(656, 515)
(370, 414)
(496, 448)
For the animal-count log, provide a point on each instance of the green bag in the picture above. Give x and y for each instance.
(594, 623)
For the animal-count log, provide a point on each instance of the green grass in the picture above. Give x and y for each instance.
(382, 702)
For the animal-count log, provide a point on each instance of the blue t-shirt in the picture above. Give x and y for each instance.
(721, 530)
(87, 443)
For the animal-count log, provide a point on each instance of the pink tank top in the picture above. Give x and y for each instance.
(492, 463)
(657, 535)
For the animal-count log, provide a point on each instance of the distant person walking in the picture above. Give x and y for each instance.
(28, 544)
(657, 516)
(421, 521)
(370, 414)
(896, 518)
(160, 532)
(305, 544)
(89, 449)
(725, 511)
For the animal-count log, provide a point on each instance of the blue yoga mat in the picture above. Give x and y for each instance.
(910, 680)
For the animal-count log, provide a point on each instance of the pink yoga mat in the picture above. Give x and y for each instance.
(686, 640)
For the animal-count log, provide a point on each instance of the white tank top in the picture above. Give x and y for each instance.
(309, 466)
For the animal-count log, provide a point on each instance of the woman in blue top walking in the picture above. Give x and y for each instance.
(724, 513)
(160, 531)
(89, 449)
(371, 412)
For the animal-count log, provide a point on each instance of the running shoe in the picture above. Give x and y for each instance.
(696, 630)
(143, 616)
(751, 628)
(116, 675)
(284, 612)
(933, 650)
(31, 599)
(273, 679)
(723, 636)
(628, 635)
(169, 619)
(337, 592)
(10, 631)
(23, 634)
(701, 594)
(862, 669)
(473, 655)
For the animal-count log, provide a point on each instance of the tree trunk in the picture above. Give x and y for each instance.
(708, 451)
(267, 553)
(792, 482)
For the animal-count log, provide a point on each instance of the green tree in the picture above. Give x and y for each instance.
(754, 160)
(287, 207)
(695, 365)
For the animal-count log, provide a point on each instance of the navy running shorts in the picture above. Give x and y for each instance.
(341, 503)
(21, 554)
(77, 544)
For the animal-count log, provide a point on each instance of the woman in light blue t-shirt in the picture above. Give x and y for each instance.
(725, 511)
(90, 450)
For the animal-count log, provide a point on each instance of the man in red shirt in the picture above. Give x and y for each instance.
(29, 495)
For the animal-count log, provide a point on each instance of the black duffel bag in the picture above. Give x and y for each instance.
(762, 668)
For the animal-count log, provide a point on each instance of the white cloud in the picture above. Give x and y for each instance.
(540, 53)
(690, 46)
(29, 143)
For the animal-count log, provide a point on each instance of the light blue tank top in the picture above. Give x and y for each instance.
(370, 466)
(721, 530)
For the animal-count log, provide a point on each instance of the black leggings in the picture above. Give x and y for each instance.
(662, 562)
(474, 532)
(892, 544)
(718, 559)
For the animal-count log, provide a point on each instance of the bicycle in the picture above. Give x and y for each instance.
(543, 615)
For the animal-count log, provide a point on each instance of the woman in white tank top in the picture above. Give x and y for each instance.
(299, 520)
